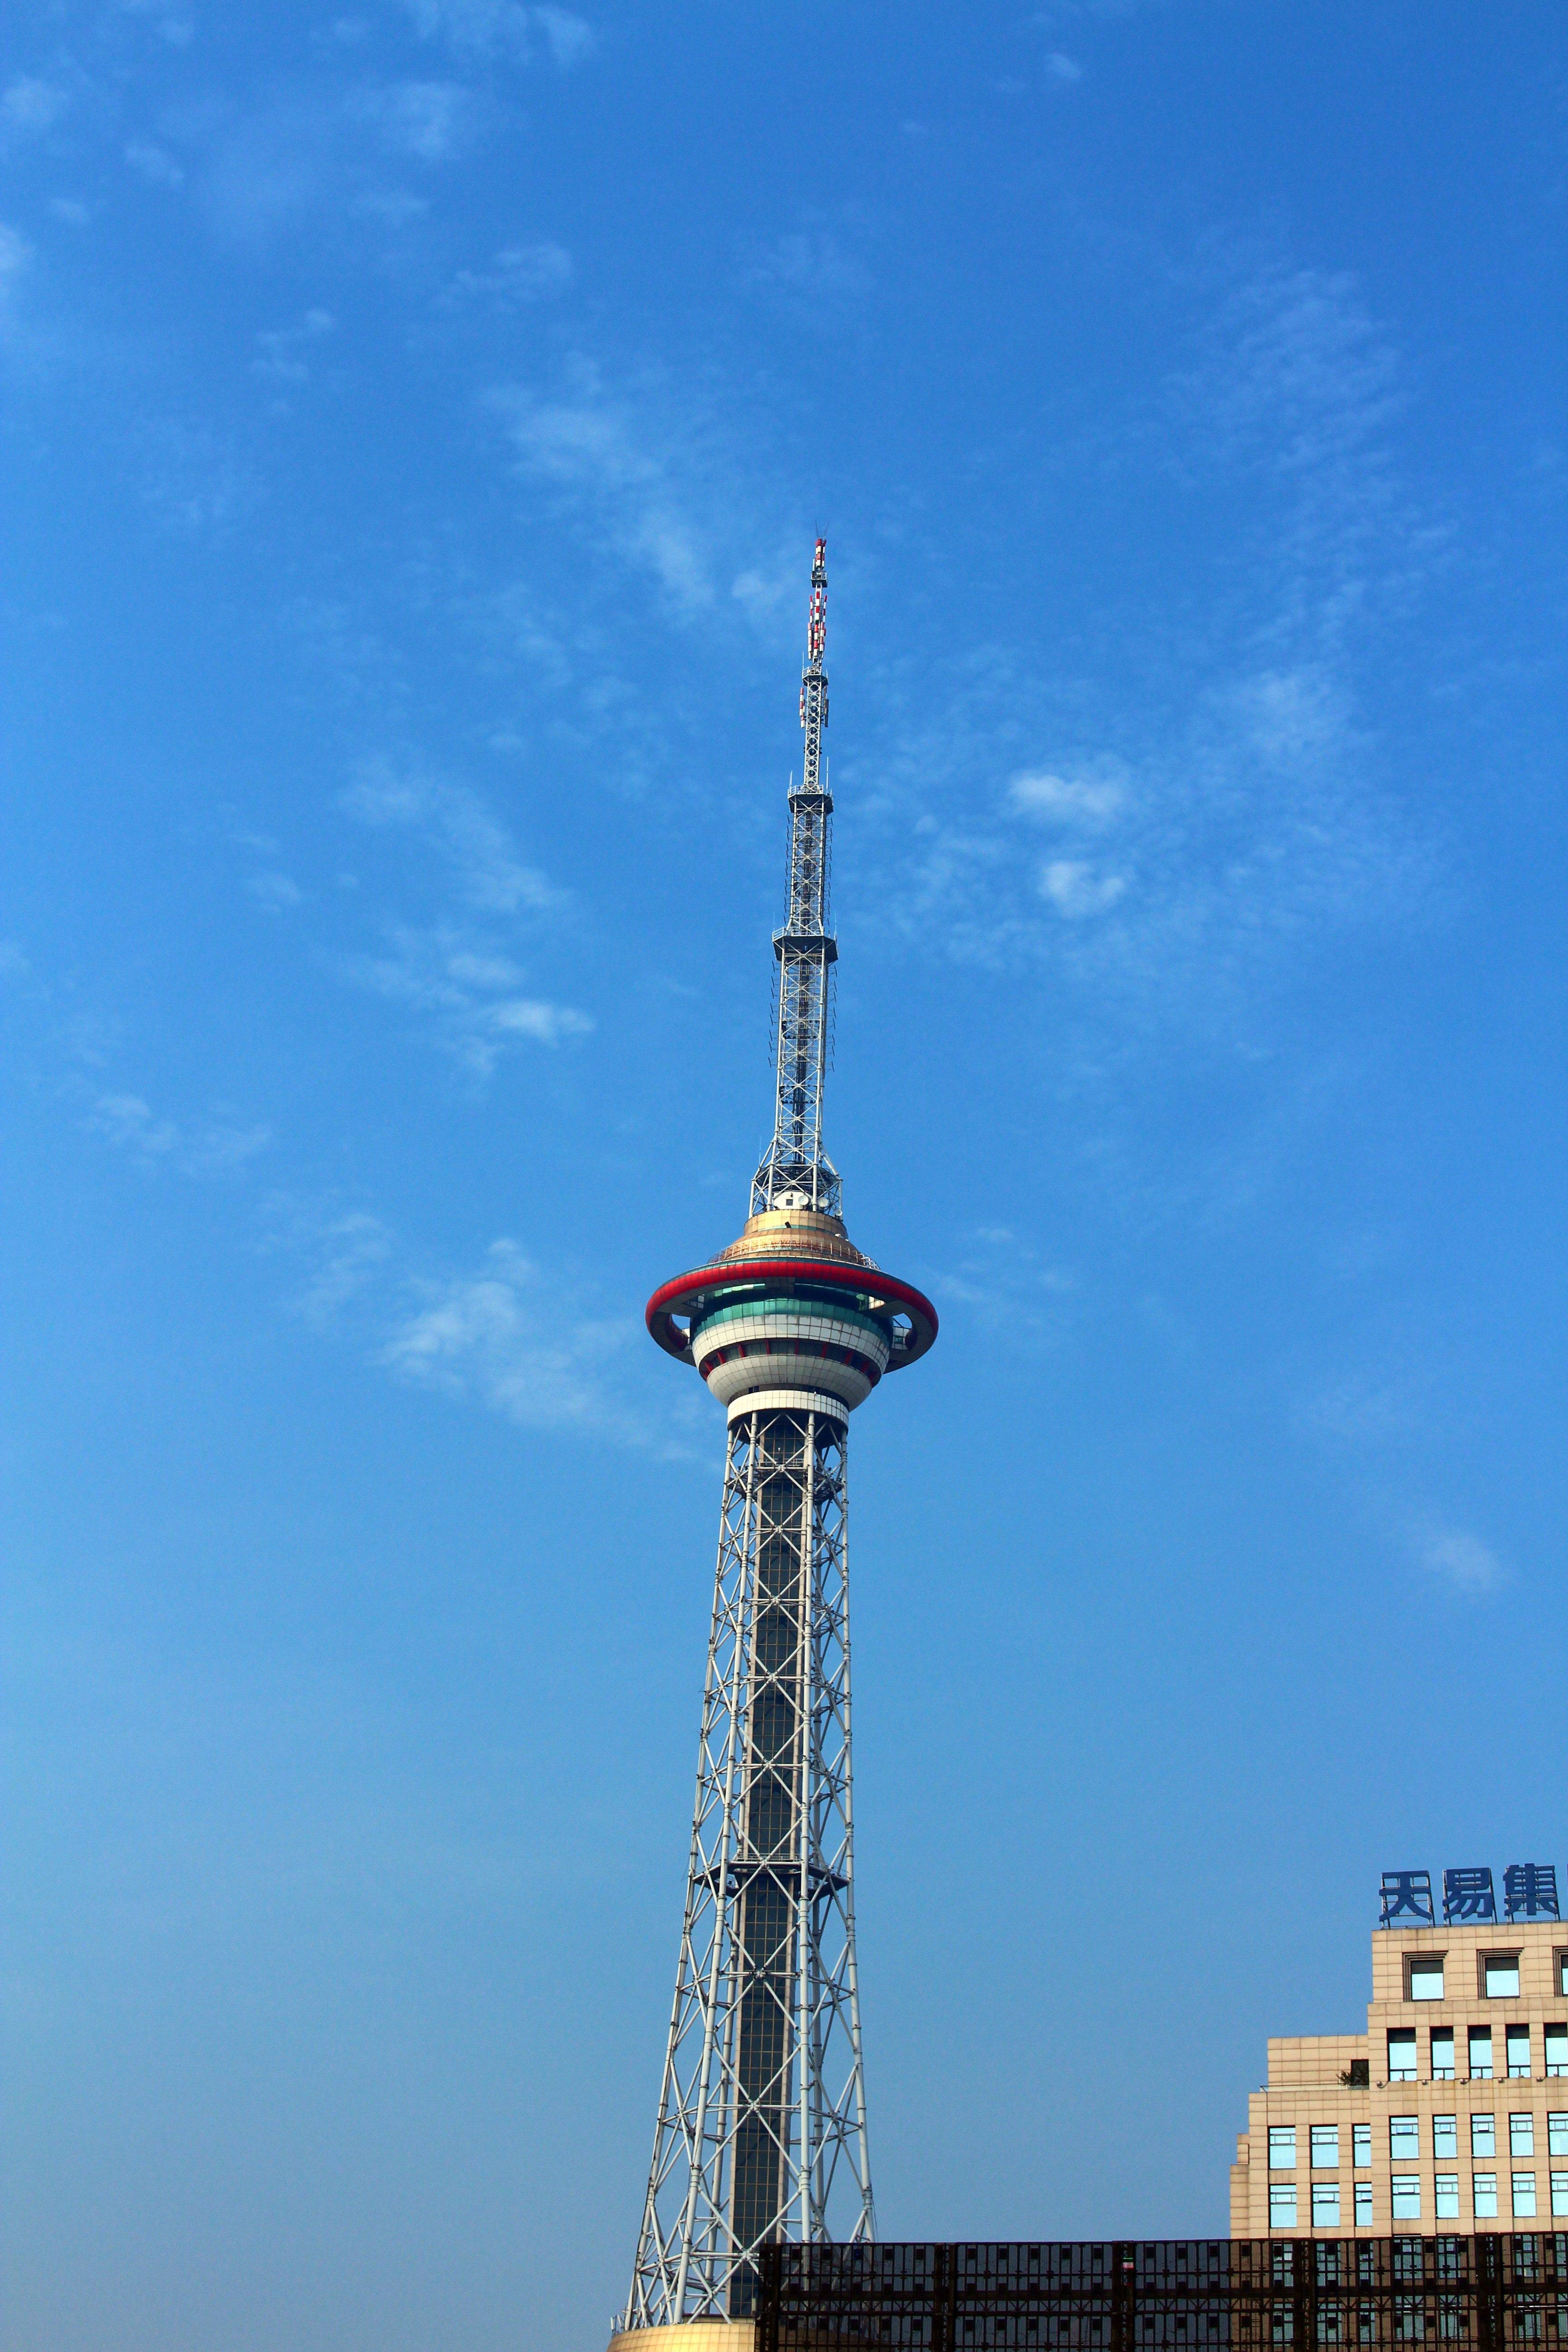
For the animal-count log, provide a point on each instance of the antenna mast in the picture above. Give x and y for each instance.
(796, 1172)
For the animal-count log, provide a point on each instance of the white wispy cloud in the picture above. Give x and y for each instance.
(1069, 800)
(599, 450)
(473, 998)
(339, 161)
(1075, 890)
(1375, 1407)
(16, 261)
(211, 1146)
(511, 1335)
(817, 261)
(154, 163)
(274, 893)
(520, 1345)
(192, 480)
(347, 1251)
(506, 29)
(460, 827)
(30, 107)
(1003, 1284)
(461, 970)
(1239, 808)
(430, 121)
(280, 351)
(1456, 1558)
(518, 275)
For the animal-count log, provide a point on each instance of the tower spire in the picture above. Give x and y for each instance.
(796, 1172)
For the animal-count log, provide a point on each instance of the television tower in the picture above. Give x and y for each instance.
(762, 2113)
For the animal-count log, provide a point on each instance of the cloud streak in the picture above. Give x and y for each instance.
(459, 971)
(1457, 1559)
(511, 1335)
(505, 30)
(520, 1346)
(1231, 803)
(597, 453)
(214, 1146)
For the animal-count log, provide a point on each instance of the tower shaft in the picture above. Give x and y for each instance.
(761, 2114)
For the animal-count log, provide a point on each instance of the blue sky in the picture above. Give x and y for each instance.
(416, 424)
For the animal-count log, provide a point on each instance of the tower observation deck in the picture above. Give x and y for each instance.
(761, 2132)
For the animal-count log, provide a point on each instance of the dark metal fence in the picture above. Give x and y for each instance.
(1174, 2295)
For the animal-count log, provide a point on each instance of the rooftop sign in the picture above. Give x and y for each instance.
(1528, 1892)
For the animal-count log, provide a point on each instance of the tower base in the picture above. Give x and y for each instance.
(691, 2336)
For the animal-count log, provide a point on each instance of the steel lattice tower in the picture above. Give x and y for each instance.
(762, 2113)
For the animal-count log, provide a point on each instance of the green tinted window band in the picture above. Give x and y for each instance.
(815, 1307)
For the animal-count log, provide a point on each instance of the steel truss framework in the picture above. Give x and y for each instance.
(1485, 2293)
(761, 2114)
(796, 1172)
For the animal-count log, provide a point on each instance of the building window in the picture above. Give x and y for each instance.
(1483, 2193)
(1402, 2056)
(1447, 2186)
(1558, 2195)
(1281, 2204)
(1282, 2148)
(1405, 2139)
(1557, 2049)
(1424, 1975)
(1445, 2136)
(1405, 2192)
(1483, 2135)
(1480, 2054)
(1325, 2204)
(1363, 2204)
(1519, 2054)
(1524, 2195)
(1325, 2148)
(1360, 2143)
(1442, 2053)
(1562, 1959)
(1522, 2134)
(1500, 1976)
(1557, 2134)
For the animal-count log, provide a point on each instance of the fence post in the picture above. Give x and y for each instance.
(944, 2302)
(1121, 2266)
(1488, 2313)
(770, 2286)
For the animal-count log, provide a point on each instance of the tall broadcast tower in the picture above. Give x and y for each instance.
(761, 2114)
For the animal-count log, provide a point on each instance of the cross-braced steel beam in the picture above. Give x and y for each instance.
(761, 2116)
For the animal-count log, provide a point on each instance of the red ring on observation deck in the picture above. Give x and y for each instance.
(679, 1298)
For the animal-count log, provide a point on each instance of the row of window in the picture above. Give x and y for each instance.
(1403, 2053)
(1404, 2199)
(1405, 2140)
(1497, 1975)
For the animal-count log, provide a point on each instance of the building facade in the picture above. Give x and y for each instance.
(1450, 2111)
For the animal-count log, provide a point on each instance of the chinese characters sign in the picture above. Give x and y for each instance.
(1528, 1892)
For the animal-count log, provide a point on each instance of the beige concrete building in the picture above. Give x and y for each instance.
(1449, 2112)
